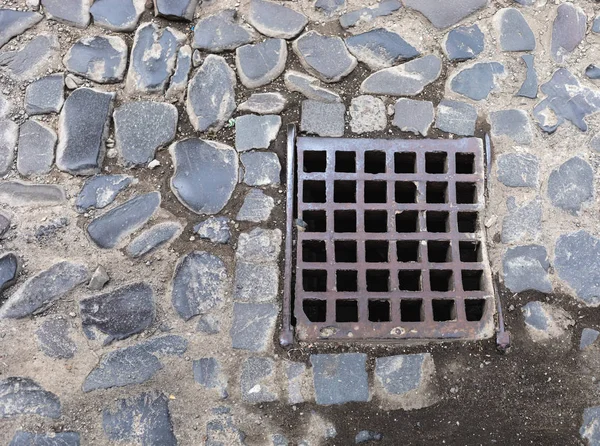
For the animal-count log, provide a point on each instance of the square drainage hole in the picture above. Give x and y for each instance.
(472, 280)
(313, 191)
(467, 221)
(379, 310)
(314, 251)
(345, 251)
(377, 251)
(315, 161)
(378, 280)
(474, 309)
(470, 251)
(437, 221)
(316, 221)
(436, 162)
(344, 191)
(465, 163)
(345, 162)
(405, 162)
(344, 221)
(439, 251)
(436, 192)
(407, 221)
(441, 280)
(374, 162)
(346, 311)
(375, 221)
(443, 310)
(315, 310)
(314, 280)
(466, 193)
(346, 280)
(375, 192)
(411, 310)
(405, 192)
(407, 250)
(409, 280)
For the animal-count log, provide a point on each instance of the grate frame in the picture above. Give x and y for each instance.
(388, 191)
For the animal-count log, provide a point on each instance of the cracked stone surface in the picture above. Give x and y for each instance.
(256, 208)
(222, 31)
(363, 15)
(478, 81)
(100, 59)
(260, 63)
(571, 185)
(101, 190)
(261, 168)
(264, 103)
(518, 169)
(380, 48)
(255, 132)
(413, 116)
(21, 396)
(179, 80)
(275, 20)
(153, 238)
(408, 79)
(14, 23)
(45, 95)
(309, 87)
(568, 30)
(463, 43)
(215, 229)
(526, 268)
(253, 326)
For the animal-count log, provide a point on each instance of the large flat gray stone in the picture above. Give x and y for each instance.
(255, 132)
(321, 118)
(456, 117)
(222, 32)
(340, 378)
(309, 87)
(23, 396)
(34, 58)
(518, 169)
(72, 12)
(513, 124)
(101, 190)
(514, 33)
(478, 81)
(413, 116)
(253, 326)
(264, 103)
(257, 207)
(526, 268)
(463, 42)
(260, 63)
(522, 223)
(256, 282)
(257, 381)
(261, 168)
(365, 15)
(275, 20)
(259, 245)
(46, 95)
(447, 13)
(117, 15)
(13, 23)
(571, 185)
(408, 79)
(22, 438)
(179, 80)
(19, 194)
(35, 154)
(367, 114)
(380, 48)
(176, 9)
(529, 87)
(568, 30)
(215, 229)
(102, 59)
(208, 373)
(153, 238)
(54, 340)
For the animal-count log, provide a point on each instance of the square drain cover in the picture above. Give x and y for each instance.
(392, 244)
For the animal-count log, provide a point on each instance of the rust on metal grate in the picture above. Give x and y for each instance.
(392, 243)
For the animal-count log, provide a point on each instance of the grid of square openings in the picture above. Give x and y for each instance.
(391, 235)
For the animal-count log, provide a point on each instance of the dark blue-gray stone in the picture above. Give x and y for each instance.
(142, 127)
(144, 420)
(101, 190)
(596, 25)
(518, 170)
(275, 20)
(23, 396)
(211, 94)
(260, 63)
(383, 8)
(222, 32)
(179, 80)
(443, 14)
(102, 59)
(42, 289)
(200, 284)
(309, 87)
(253, 326)
(513, 124)
(380, 48)
(4, 227)
(322, 118)
(456, 117)
(593, 72)
(529, 88)
(175, 9)
(568, 30)
(464, 42)
(257, 380)
(206, 173)
(588, 337)
(324, 56)
(153, 238)
(153, 58)
(113, 226)
(13, 23)
(133, 365)
(207, 373)
(119, 313)
(46, 95)
(366, 436)
(53, 338)
(23, 438)
(215, 229)
(9, 269)
(526, 268)
(117, 15)
(535, 315)
(478, 81)
(590, 428)
(255, 131)
(400, 374)
(523, 221)
(261, 168)
(83, 125)
(264, 103)
(340, 378)
(413, 116)
(330, 7)
(571, 185)
(35, 58)
(514, 31)
(35, 153)
(577, 262)
(71, 12)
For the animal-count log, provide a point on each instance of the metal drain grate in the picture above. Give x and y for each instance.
(393, 244)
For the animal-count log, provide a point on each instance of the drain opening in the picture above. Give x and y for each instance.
(346, 280)
(407, 250)
(411, 310)
(345, 162)
(314, 280)
(374, 162)
(346, 311)
(316, 221)
(315, 310)
(345, 251)
(379, 310)
(443, 310)
(314, 192)
(405, 162)
(315, 161)
(314, 251)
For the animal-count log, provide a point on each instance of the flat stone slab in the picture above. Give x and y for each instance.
(222, 430)
(144, 420)
(208, 373)
(33, 59)
(478, 81)
(513, 124)
(179, 80)
(257, 381)
(261, 168)
(253, 326)
(101, 190)
(577, 262)
(211, 94)
(46, 95)
(5, 106)
(23, 396)
(22, 438)
(526, 268)
(321, 118)
(545, 322)
(222, 32)
(463, 42)
(9, 269)
(18, 194)
(13, 23)
(54, 340)
(296, 374)
(514, 33)
(256, 282)
(445, 14)
(568, 30)
(206, 173)
(98, 58)
(408, 79)
(118, 314)
(259, 246)
(368, 114)
(200, 284)
(522, 222)
(309, 87)
(256, 132)
(380, 48)
(83, 126)
(117, 15)
(43, 288)
(176, 9)
(456, 117)
(35, 154)
(518, 169)
(413, 116)
(365, 15)
(529, 88)
(153, 238)
(588, 337)
(590, 428)
(215, 229)
(330, 7)
(257, 207)
(324, 56)
(72, 12)
(141, 128)
(261, 63)
(264, 103)
(340, 378)
(275, 20)
(108, 230)
(571, 185)
(9, 136)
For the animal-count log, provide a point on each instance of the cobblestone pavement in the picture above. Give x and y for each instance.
(143, 204)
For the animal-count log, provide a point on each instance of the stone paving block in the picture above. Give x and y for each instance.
(456, 117)
(568, 30)
(222, 32)
(261, 63)
(463, 42)
(179, 80)
(23, 396)
(571, 185)
(514, 33)
(259, 246)
(443, 15)
(522, 223)
(330, 7)
(100, 59)
(261, 168)
(34, 59)
(309, 87)
(323, 119)
(13, 23)
(413, 116)
(221, 431)
(264, 103)
(9, 136)
(513, 124)
(101, 190)
(72, 12)
(365, 15)
(408, 79)
(367, 114)
(380, 48)
(5, 107)
(257, 382)
(275, 20)
(35, 153)
(340, 378)
(22, 438)
(46, 95)
(256, 282)
(255, 131)
(253, 326)
(215, 229)
(529, 88)
(545, 322)
(54, 340)
(208, 373)
(526, 268)
(257, 207)
(297, 391)
(99, 278)
(175, 9)
(9, 269)
(20, 194)
(153, 238)
(477, 81)
(518, 169)
(588, 337)
(117, 15)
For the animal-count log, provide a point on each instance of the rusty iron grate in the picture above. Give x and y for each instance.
(392, 243)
